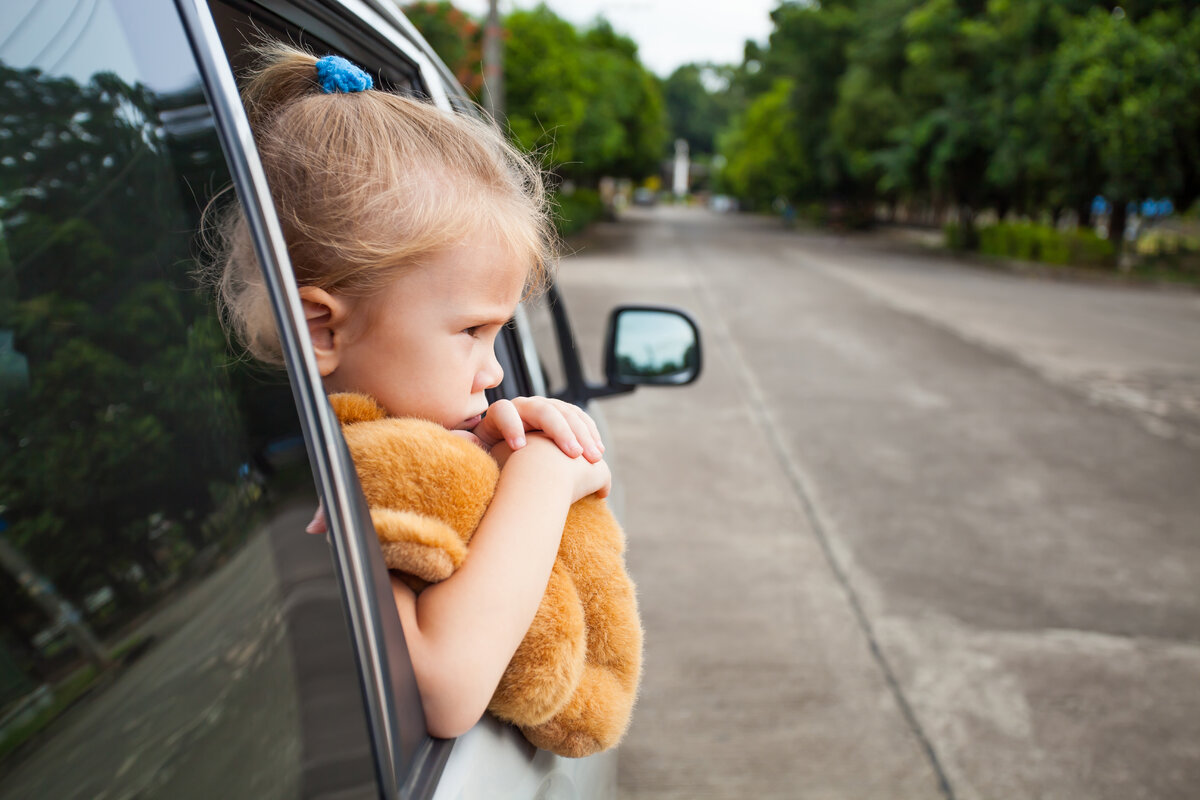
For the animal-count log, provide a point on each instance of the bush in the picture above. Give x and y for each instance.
(1032, 242)
(1089, 250)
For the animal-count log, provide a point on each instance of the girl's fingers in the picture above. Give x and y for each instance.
(568, 425)
(503, 421)
(591, 423)
(585, 428)
(540, 414)
(583, 432)
(317, 525)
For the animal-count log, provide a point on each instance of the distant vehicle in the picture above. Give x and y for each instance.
(722, 203)
(644, 197)
(150, 474)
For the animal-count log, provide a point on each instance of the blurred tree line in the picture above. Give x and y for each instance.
(1033, 107)
(581, 99)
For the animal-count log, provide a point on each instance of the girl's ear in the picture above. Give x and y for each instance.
(326, 315)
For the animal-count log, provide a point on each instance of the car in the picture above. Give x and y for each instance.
(644, 196)
(144, 463)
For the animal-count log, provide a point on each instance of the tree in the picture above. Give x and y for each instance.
(695, 112)
(125, 364)
(456, 37)
(1125, 95)
(584, 100)
(764, 160)
(807, 54)
(545, 85)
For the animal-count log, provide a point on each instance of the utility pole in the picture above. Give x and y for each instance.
(54, 604)
(493, 63)
(680, 177)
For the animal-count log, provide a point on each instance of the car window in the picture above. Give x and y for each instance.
(321, 30)
(168, 629)
(545, 338)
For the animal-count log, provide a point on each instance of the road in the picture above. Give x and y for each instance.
(922, 529)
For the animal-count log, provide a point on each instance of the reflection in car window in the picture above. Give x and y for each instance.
(168, 629)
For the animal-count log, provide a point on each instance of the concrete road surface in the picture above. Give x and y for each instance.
(921, 530)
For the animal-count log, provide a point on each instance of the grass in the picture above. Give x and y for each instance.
(67, 691)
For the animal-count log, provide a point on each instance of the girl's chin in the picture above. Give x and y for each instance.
(470, 437)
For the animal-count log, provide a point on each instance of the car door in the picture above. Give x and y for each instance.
(168, 629)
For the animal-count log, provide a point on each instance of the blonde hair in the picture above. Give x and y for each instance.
(365, 185)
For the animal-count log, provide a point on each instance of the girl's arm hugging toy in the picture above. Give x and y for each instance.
(571, 684)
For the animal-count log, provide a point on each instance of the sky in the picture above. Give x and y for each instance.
(668, 32)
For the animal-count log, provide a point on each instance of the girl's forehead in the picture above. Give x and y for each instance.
(481, 269)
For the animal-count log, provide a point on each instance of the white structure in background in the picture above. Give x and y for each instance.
(680, 184)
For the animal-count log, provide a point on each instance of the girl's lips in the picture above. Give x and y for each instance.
(471, 423)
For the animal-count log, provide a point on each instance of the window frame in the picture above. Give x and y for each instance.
(407, 761)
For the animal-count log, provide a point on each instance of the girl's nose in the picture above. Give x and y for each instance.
(489, 375)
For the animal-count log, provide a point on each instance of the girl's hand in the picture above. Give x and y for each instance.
(586, 477)
(567, 425)
(317, 525)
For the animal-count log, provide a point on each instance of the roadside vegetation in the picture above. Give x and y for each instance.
(579, 98)
(1033, 128)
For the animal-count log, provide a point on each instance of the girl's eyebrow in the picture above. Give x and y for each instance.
(488, 310)
(487, 316)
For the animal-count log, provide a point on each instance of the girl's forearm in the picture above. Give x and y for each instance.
(463, 631)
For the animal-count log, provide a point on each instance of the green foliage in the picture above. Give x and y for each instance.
(454, 36)
(1029, 106)
(696, 112)
(584, 100)
(808, 50)
(65, 693)
(763, 161)
(576, 210)
(1032, 242)
(1125, 96)
(126, 367)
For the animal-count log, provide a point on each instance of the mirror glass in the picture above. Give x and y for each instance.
(652, 346)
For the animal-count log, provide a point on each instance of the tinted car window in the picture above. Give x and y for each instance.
(168, 629)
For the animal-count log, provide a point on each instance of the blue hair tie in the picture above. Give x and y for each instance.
(336, 74)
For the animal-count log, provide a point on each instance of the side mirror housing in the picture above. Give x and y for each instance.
(650, 345)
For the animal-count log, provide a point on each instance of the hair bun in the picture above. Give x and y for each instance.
(281, 75)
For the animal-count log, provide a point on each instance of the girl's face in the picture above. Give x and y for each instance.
(425, 345)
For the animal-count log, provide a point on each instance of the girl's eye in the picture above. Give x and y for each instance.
(472, 331)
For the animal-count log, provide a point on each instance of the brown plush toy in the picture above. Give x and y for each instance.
(571, 684)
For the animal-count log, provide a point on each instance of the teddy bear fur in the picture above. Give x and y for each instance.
(571, 685)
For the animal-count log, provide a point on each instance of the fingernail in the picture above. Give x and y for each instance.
(517, 442)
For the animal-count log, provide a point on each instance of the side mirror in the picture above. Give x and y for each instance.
(650, 345)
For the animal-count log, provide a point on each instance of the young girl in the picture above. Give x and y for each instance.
(414, 233)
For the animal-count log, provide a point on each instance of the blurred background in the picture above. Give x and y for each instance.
(928, 525)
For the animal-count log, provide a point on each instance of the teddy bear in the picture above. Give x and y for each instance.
(571, 685)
